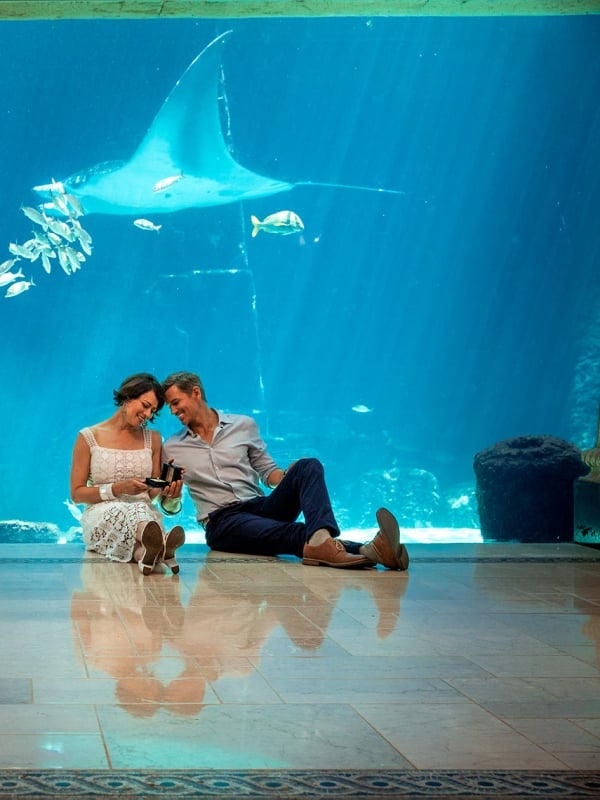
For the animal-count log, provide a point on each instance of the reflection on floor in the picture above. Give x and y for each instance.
(482, 659)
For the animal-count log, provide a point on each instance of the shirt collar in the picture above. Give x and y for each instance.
(222, 419)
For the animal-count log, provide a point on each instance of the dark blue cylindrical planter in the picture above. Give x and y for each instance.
(525, 489)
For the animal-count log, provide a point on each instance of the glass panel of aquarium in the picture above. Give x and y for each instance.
(378, 236)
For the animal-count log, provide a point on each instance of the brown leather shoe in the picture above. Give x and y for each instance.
(385, 548)
(332, 553)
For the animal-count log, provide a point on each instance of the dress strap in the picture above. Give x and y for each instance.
(147, 439)
(89, 437)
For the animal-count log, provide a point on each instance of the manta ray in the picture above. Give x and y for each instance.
(183, 151)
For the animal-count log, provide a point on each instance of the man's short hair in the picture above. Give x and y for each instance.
(185, 381)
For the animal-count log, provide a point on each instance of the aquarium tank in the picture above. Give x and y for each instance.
(431, 290)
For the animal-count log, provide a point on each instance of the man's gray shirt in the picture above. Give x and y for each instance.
(225, 471)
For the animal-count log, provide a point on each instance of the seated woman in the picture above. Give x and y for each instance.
(111, 460)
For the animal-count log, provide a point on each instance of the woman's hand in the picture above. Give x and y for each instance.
(131, 486)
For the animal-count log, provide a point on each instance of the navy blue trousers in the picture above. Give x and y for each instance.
(267, 525)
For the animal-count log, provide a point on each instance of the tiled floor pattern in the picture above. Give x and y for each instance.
(478, 670)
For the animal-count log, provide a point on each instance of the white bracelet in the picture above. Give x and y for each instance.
(106, 492)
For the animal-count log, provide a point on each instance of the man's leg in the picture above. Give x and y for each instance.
(241, 530)
(303, 489)
(267, 526)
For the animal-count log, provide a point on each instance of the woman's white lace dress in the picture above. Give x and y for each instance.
(109, 527)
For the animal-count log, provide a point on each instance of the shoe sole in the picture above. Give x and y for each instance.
(355, 564)
(174, 540)
(388, 525)
(153, 544)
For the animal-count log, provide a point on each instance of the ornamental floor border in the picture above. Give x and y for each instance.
(292, 784)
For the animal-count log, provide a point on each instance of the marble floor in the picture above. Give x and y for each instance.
(480, 657)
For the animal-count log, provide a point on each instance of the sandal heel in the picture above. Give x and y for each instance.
(153, 547)
(175, 538)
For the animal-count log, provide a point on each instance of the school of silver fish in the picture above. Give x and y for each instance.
(58, 235)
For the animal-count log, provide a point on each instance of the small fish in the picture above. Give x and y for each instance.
(72, 259)
(42, 244)
(59, 202)
(460, 502)
(282, 222)
(41, 239)
(80, 231)
(32, 246)
(54, 239)
(46, 262)
(85, 240)
(6, 265)
(34, 215)
(61, 228)
(73, 202)
(63, 260)
(362, 409)
(48, 208)
(146, 225)
(21, 251)
(56, 186)
(164, 183)
(9, 277)
(18, 288)
(73, 509)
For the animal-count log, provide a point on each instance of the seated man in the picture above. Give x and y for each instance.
(224, 459)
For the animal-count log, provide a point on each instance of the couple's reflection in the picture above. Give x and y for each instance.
(167, 645)
(126, 629)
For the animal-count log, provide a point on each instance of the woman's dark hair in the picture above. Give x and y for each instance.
(136, 385)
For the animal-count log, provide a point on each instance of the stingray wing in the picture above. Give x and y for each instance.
(184, 139)
(186, 134)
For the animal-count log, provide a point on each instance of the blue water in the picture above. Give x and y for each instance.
(401, 333)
